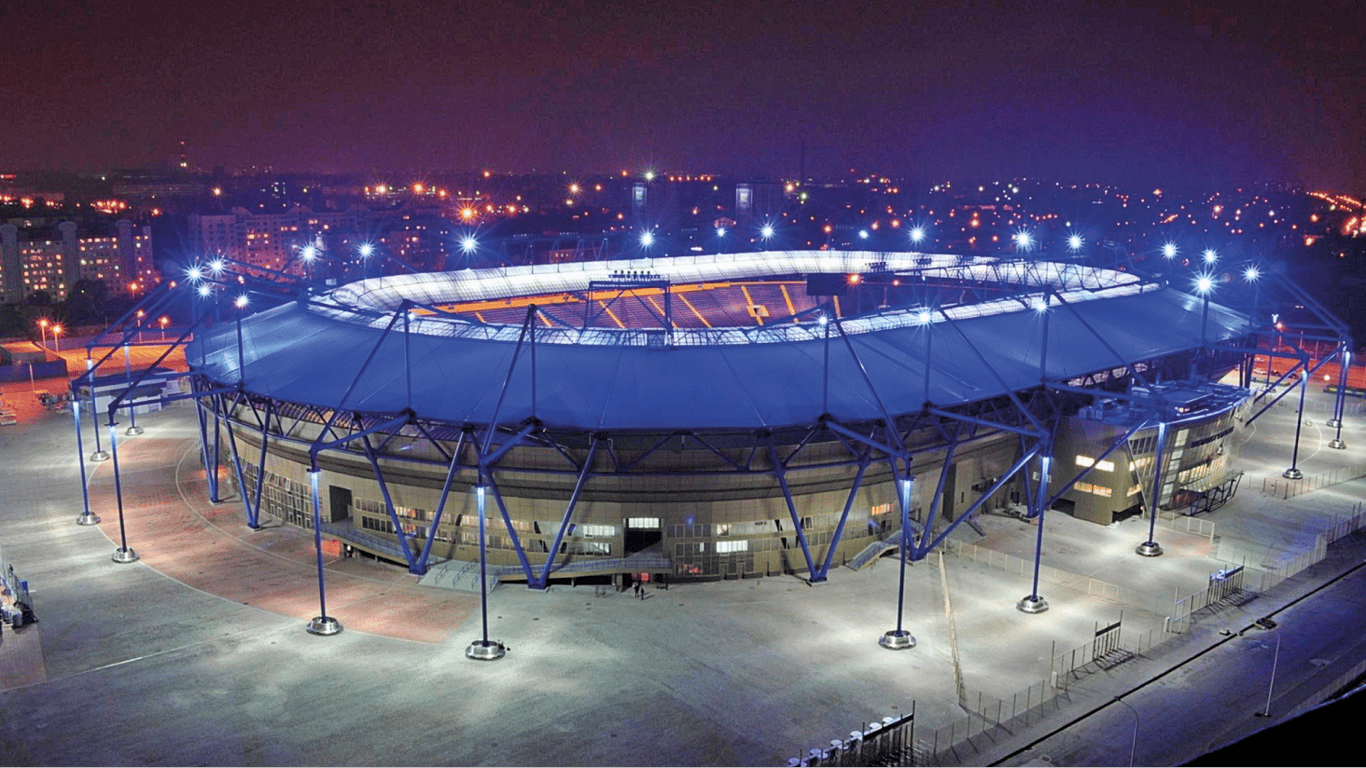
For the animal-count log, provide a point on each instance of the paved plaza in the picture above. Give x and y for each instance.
(197, 653)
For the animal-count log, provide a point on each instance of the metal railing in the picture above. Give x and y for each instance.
(1284, 489)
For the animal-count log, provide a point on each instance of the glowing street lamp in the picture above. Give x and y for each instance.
(1074, 243)
(468, 244)
(917, 234)
(42, 327)
(163, 322)
(1024, 241)
(647, 239)
(1210, 256)
(57, 337)
(1169, 250)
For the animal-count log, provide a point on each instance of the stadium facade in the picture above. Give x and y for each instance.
(726, 416)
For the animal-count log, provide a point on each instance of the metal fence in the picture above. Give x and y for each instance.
(888, 742)
(1188, 524)
(1283, 488)
(1096, 588)
(1253, 579)
(989, 719)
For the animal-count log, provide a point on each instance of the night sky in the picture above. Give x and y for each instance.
(1199, 94)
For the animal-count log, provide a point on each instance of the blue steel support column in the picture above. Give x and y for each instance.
(484, 649)
(1294, 473)
(791, 507)
(210, 459)
(399, 533)
(543, 579)
(839, 529)
(322, 624)
(1344, 361)
(133, 428)
(255, 518)
(87, 517)
(125, 553)
(512, 532)
(1151, 548)
(100, 454)
(441, 503)
(252, 522)
(1033, 603)
(899, 639)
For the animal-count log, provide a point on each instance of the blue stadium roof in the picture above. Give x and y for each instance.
(306, 354)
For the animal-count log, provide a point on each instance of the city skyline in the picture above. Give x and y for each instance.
(1178, 93)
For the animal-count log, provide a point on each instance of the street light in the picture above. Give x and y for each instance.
(1169, 250)
(42, 325)
(1023, 240)
(1210, 256)
(917, 234)
(1133, 746)
(1074, 243)
(647, 239)
(56, 338)
(164, 321)
(1271, 686)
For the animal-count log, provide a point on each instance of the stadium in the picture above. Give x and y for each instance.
(725, 416)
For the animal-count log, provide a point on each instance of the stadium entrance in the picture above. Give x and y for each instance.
(641, 533)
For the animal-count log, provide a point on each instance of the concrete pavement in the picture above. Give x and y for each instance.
(197, 655)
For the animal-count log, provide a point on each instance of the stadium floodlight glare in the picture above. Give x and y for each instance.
(1074, 242)
(863, 234)
(240, 301)
(216, 267)
(647, 239)
(1024, 240)
(1041, 305)
(1210, 256)
(308, 253)
(195, 273)
(1204, 283)
(767, 231)
(923, 317)
(720, 231)
(1169, 250)
(205, 290)
(468, 244)
(917, 234)
(366, 250)
(822, 319)
(1251, 274)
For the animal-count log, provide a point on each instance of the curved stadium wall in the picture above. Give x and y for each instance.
(701, 452)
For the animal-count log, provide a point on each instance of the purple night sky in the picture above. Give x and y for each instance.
(1165, 92)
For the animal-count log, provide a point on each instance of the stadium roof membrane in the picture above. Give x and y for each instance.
(605, 379)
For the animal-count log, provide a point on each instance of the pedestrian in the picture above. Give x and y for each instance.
(636, 587)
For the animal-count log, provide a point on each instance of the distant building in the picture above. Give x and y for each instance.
(418, 237)
(50, 259)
